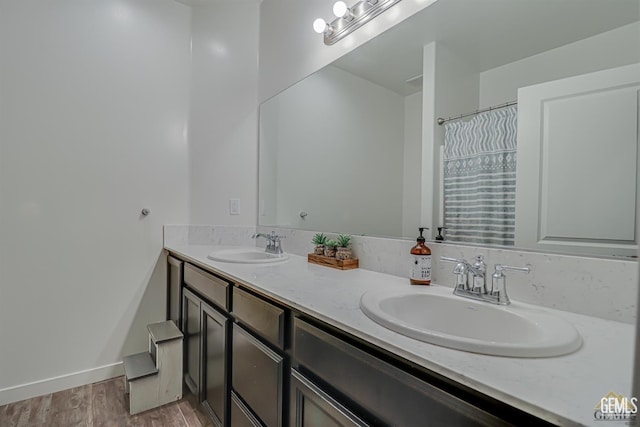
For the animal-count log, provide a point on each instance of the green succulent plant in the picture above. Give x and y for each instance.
(331, 243)
(319, 239)
(344, 240)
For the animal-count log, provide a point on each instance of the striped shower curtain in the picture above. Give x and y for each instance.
(480, 178)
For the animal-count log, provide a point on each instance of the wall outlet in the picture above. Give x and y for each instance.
(234, 206)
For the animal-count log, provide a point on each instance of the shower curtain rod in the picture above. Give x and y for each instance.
(442, 121)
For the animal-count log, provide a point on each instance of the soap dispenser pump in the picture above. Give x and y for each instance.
(420, 272)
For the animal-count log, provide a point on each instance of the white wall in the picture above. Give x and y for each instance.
(223, 119)
(636, 368)
(412, 151)
(611, 49)
(93, 107)
(268, 162)
(354, 187)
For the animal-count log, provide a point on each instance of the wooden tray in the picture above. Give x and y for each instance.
(347, 264)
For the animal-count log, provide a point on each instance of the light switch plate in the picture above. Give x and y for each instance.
(234, 206)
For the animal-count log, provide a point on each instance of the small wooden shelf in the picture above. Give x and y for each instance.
(347, 264)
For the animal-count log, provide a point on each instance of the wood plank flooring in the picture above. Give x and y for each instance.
(102, 404)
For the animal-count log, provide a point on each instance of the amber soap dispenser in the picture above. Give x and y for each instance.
(420, 273)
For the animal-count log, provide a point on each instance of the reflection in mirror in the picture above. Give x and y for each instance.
(332, 146)
(356, 146)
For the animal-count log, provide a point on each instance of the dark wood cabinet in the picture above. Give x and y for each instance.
(257, 376)
(191, 328)
(310, 406)
(174, 289)
(205, 354)
(241, 415)
(253, 361)
(214, 362)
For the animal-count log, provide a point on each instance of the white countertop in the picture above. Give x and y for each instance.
(563, 390)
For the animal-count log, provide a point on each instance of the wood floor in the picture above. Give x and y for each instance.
(102, 404)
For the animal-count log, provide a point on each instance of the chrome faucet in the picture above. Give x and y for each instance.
(477, 289)
(274, 242)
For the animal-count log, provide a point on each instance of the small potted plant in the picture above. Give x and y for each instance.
(344, 252)
(319, 240)
(330, 248)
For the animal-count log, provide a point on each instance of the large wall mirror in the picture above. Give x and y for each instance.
(356, 148)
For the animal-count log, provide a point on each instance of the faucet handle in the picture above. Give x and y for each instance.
(499, 281)
(449, 259)
(500, 268)
(460, 270)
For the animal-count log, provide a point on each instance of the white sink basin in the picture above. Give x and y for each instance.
(436, 316)
(246, 256)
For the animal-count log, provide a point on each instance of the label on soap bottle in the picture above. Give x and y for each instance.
(420, 272)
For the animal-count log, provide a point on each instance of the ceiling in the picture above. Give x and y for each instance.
(488, 33)
(197, 2)
(210, 2)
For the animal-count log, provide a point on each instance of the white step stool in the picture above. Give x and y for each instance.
(154, 378)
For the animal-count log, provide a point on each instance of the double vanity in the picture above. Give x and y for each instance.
(274, 340)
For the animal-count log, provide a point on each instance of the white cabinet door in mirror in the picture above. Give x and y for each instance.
(577, 190)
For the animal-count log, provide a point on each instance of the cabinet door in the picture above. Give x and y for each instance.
(191, 331)
(257, 376)
(312, 407)
(174, 289)
(240, 415)
(215, 395)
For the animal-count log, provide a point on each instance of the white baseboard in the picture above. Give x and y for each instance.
(63, 382)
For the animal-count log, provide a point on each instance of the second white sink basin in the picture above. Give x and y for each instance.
(437, 316)
(246, 256)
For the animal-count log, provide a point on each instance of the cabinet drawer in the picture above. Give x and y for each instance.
(257, 376)
(310, 406)
(240, 415)
(390, 395)
(208, 285)
(261, 316)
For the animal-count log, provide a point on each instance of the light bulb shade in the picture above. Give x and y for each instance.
(340, 9)
(319, 26)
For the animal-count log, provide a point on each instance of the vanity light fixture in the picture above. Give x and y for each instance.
(350, 18)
